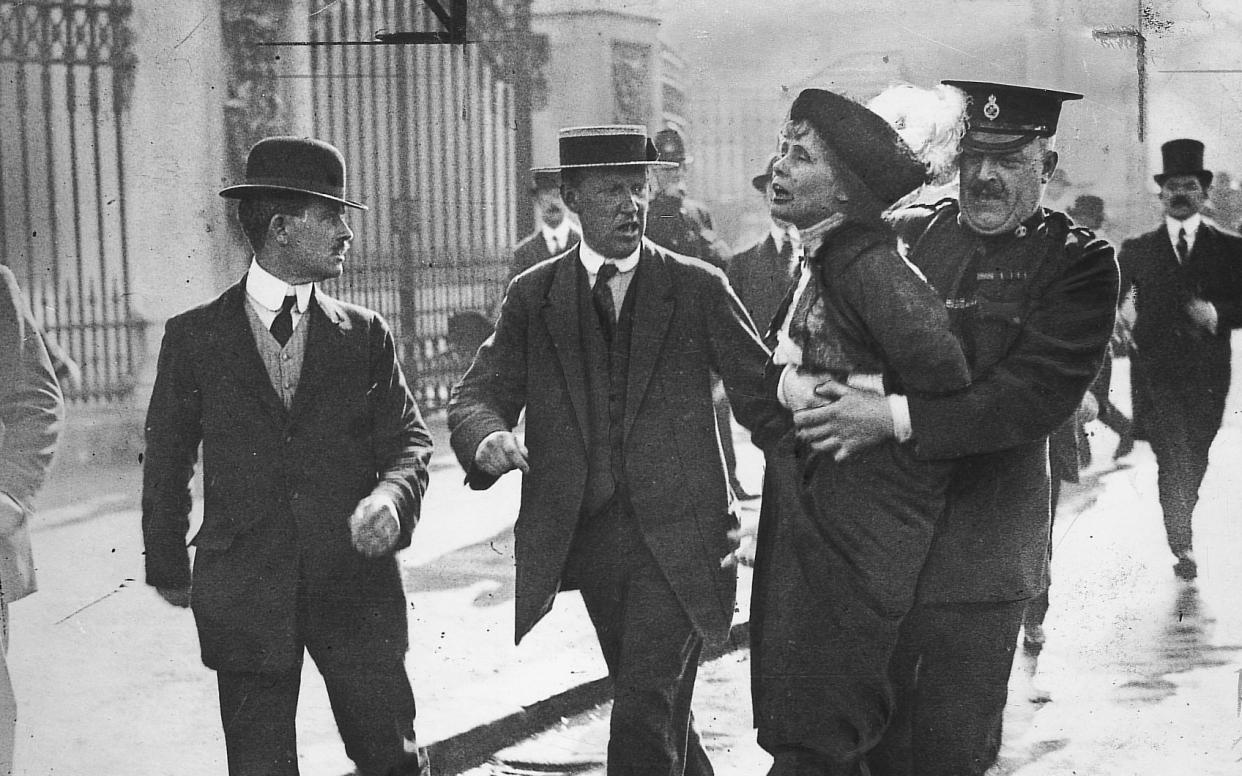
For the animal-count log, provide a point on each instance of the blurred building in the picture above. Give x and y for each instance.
(860, 47)
(119, 122)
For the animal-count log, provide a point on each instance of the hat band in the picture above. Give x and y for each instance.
(605, 149)
(295, 183)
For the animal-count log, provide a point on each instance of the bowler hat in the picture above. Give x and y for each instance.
(1183, 157)
(672, 146)
(1004, 117)
(301, 165)
(863, 141)
(615, 145)
(1087, 208)
(761, 181)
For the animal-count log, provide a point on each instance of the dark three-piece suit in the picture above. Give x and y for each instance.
(626, 497)
(274, 569)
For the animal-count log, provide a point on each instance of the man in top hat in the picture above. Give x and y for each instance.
(1031, 298)
(609, 349)
(1187, 276)
(761, 274)
(556, 232)
(314, 464)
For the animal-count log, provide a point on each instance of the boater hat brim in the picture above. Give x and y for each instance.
(618, 145)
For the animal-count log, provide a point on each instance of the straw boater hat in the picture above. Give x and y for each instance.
(299, 165)
(616, 145)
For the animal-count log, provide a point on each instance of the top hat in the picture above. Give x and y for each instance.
(672, 146)
(1004, 117)
(615, 145)
(1183, 157)
(863, 141)
(761, 181)
(301, 165)
(1087, 207)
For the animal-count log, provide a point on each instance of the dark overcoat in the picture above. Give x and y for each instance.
(1171, 349)
(279, 485)
(760, 277)
(534, 249)
(687, 324)
(1034, 310)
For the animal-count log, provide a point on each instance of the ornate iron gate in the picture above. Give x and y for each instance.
(431, 135)
(65, 70)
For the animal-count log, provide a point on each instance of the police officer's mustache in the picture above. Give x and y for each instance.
(991, 189)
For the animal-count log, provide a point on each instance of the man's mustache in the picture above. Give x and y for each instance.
(1179, 200)
(993, 189)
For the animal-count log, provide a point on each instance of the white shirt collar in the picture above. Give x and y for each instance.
(558, 236)
(1191, 225)
(592, 260)
(270, 291)
(781, 233)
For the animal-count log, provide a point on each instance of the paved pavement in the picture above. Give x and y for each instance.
(1142, 671)
(1141, 675)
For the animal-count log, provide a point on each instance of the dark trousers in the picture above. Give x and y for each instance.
(371, 701)
(651, 647)
(951, 673)
(1180, 423)
(1037, 606)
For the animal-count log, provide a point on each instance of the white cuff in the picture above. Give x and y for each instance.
(900, 409)
(1215, 318)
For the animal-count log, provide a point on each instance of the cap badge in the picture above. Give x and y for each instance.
(991, 109)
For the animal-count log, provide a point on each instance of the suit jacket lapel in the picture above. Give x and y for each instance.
(241, 354)
(323, 342)
(560, 316)
(653, 312)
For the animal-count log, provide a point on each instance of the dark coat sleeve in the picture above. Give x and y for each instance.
(173, 432)
(741, 359)
(31, 407)
(1040, 380)
(906, 319)
(1227, 296)
(400, 443)
(492, 393)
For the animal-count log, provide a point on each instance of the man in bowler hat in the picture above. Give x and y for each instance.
(556, 233)
(1187, 277)
(314, 464)
(762, 274)
(610, 349)
(1031, 298)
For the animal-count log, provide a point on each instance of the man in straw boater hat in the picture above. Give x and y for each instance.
(314, 464)
(1031, 298)
(841, 542)
(1187, 277)
(610, 350)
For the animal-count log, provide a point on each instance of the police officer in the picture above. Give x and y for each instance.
(1032, 299)
(674, 221)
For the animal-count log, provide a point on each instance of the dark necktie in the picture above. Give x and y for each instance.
(1183, 248)
(601, 297)
(787, 255)
(282, 327)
